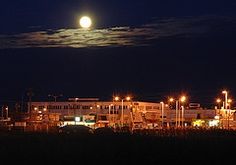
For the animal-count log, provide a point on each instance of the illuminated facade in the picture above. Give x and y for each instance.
(136, 114)
(105, 112)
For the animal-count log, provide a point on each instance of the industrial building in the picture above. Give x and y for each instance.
(135, 114)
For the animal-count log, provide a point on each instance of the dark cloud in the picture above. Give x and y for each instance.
(119, 36)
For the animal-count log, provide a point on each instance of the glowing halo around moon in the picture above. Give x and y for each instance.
(85, 22)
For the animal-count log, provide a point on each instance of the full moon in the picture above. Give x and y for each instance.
(85, 22)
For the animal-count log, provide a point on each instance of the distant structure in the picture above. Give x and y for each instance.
(134, 114)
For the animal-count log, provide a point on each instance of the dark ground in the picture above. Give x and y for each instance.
(192, 148)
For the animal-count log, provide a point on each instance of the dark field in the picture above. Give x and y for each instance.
(190, 147)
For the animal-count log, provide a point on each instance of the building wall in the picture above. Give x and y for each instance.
(148, 110)
(98, 107)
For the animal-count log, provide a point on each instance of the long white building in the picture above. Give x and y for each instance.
(130, 113)
(110, 111)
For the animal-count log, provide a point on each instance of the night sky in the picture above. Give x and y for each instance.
(150, 49)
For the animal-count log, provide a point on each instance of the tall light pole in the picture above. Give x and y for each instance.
(176, 115)
(162, 114)
(7, 112)
(116, 98)
(176, 111)
(128, 98)
(122, 112)
(218, 101)
(229, 101)
(182, 108)
(182, 99)
(171, 100)
(226, 100)
(179, 121)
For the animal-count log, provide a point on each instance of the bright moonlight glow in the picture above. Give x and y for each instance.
(85, 22)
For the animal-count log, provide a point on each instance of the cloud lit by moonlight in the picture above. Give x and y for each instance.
(112, 37)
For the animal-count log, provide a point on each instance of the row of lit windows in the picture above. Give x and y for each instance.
(113, 107)
(81, 107)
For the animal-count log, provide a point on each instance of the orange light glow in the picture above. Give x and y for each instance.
(224, 91)
(116, 98)
(128, 98)
(171, 99)
(183, 99)
(218, 100)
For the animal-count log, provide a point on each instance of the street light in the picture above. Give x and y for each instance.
(227, 106)
(7, 112)
(116, 98)
(162, 114)
(182, 100)
(176, 110)
(218, 101)
(226, 98)
(127, 98)
(171, 99)
(229, 103)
